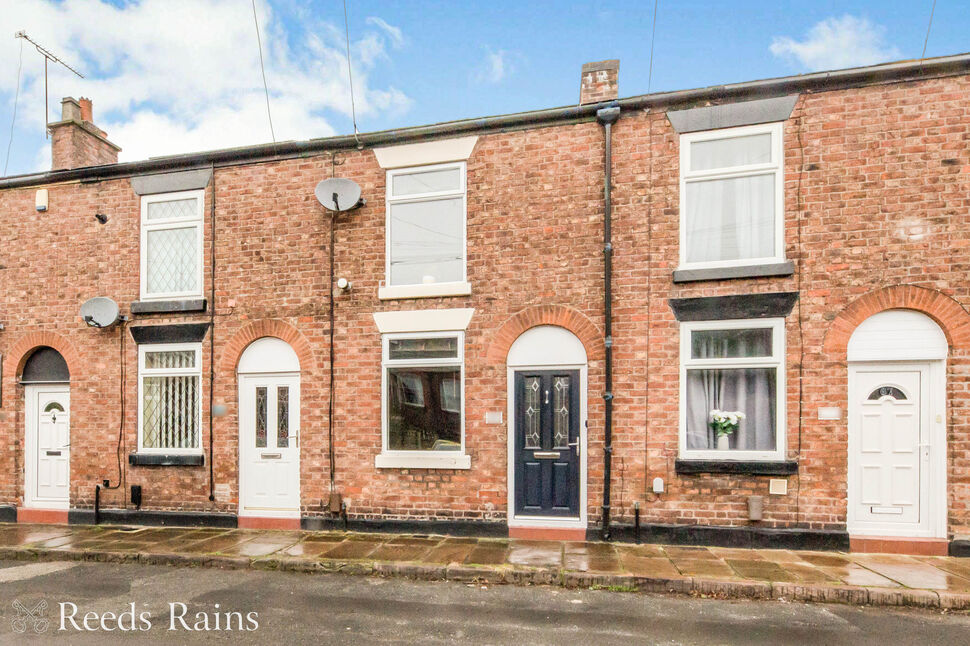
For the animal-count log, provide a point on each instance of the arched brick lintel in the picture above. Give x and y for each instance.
(21, 350)
(263, 328)
(948, 314)
(565, 317)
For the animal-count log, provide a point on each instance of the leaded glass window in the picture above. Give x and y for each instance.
(560, 412)
(170, 397)
(171, 253)
(533, 414)
(261, 417)
(282, 416)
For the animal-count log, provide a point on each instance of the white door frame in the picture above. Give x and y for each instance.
(933, 420)
(548, 521)
(32, 398)
(244, 412)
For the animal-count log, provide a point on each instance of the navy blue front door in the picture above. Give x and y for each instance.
(547, 443)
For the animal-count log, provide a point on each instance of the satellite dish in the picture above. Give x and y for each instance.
(100, 311)
(338, 194)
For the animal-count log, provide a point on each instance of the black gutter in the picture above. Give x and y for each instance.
(607, 117)
(819, 81)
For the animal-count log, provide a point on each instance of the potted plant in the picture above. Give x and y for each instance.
(724, 423)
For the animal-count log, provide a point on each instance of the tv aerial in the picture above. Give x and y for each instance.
(48, 56)
(339, 194)
(100, 312)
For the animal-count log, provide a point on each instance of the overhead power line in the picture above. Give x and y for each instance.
(928, 27)
(350, 74)
(262, 67)
(653, 37)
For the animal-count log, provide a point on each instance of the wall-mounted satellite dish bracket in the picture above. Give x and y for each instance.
(339, 194)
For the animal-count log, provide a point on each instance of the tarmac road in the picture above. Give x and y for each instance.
(86, 601)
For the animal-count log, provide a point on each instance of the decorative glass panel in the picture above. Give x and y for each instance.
(53, 407)
(560, 412)
(733, 151)
(172, 262)
(261, 416)
(426, 242)
(533, 414)
(434, 348)
(170, 418)
(282, 416)
(886, 391)
(751, 391)
(730, 219)
(173, 209)
(170, 359)
(419, 418)
(729, 344)
(432, 181)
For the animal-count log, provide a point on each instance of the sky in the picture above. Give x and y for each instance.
(179, 76)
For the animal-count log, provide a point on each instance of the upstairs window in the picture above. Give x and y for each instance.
(171, 245)
(731, 197)
(426, 225)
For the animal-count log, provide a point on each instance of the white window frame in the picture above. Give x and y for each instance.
(776, 167)
(451, 288)
(776, 360)
(168, 372)
(395, 459)
(172, 223)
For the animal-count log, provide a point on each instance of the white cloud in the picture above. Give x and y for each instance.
(496, 66)
(172, 76)
(837, 43)
(394, 33)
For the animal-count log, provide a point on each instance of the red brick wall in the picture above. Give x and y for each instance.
(72, 146)
(859, 164)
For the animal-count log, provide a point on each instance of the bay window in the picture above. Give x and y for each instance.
(733, 367)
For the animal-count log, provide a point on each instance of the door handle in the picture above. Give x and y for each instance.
(575, 445)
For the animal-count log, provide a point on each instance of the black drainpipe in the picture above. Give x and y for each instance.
(608, 116)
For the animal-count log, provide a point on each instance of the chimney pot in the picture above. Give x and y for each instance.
(599, 81)
(70, 109)
(87, 110)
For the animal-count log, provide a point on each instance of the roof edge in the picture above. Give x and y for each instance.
(900, 71)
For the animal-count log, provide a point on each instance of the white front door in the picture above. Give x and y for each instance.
(47, 460)
(891, 445)
(269, 451)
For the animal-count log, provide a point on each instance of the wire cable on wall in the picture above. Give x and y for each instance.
(262, 68)
(16, 98)
(350, 75)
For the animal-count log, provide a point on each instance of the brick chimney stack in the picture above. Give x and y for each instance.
(600, 82)
(75, 140)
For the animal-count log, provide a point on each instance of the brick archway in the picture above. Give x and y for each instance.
(263, 328)
(531, 317)
(948, 314)
(21, 350)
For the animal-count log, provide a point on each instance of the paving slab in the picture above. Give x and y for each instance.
(836, 577)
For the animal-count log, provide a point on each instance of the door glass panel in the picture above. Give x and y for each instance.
(532, 414)
(261, 417)
(53, 407)
(283, 416)
(560, 412)
(887, 391)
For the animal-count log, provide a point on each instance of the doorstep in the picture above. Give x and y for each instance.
(46, 516)
(548, 533)
(899, 545)
(259, 522)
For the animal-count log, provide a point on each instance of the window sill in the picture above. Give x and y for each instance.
(737, 467)
(786, 268)
(460, 288)
(435, 460)
(166, 459)
(169, 306)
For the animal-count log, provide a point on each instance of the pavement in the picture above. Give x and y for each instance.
(837, 577)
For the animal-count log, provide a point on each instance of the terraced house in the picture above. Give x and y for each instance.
(526, 327)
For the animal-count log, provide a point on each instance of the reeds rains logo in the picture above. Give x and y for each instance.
(33, 617)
